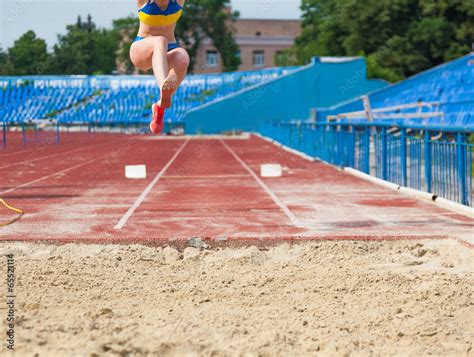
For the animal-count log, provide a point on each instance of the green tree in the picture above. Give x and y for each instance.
(73, 52)
(375, 69)
(84, 49)
(28, 56)
(106, 44)
(399, 37)
(126, 30)
(3, 62)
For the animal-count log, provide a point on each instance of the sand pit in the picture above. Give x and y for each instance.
(401, 298)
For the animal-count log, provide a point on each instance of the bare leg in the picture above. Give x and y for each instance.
(151, 52)
(160, 60)
(178, 60)
(169, 68)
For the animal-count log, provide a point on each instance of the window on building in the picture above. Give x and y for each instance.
(258, 58)
(212, 59)
(279, 58)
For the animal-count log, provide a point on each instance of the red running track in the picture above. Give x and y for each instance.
(206, 188)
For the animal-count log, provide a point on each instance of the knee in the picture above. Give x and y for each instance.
(139, 59)
(183, 61)
(160, 43)
(186, 60)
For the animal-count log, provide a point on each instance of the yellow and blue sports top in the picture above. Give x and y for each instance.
(152, 15)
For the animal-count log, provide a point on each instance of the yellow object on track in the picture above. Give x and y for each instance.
(16, 210)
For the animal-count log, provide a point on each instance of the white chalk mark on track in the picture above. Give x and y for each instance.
(55, 174)
(202, 177)
(26, 162)
(123, 221)
(293, 219)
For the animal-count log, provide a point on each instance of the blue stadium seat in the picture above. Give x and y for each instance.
(450, 85)
(116, 100)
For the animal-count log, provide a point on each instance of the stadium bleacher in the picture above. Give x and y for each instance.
(443, 95)
(27, 101)
(114, 100)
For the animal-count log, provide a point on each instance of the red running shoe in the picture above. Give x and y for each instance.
(157, 123)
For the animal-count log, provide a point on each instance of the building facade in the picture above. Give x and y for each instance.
(260, 41)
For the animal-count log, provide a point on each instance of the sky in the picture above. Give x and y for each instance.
(50, 17)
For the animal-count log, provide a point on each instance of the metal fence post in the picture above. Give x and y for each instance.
(403, 156)
(461, 166)
(4, 124)
(328, 143)
(428, 162)
(24, 133)
(339, 149)
(300, 136)
(351, 147)
(384, 154)
(366, 149)
(58, 132)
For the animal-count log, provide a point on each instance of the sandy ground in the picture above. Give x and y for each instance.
(402, 298)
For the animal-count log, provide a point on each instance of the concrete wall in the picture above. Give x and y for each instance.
(325, 82)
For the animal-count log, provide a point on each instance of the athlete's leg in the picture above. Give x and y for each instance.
(151, 53)
(178, 61)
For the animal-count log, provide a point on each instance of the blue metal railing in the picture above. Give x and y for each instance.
(438, 160)
(4, 134)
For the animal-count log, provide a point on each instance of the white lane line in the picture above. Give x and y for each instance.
(16, 153)
(26, 162)
(141, 198)
(201, 177)
(262, 184)
(55, 174)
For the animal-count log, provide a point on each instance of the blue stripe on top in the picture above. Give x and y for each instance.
(171, 46)
(152, 9)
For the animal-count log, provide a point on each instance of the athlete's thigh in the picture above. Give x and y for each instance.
(178, 59)
(141, 53)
